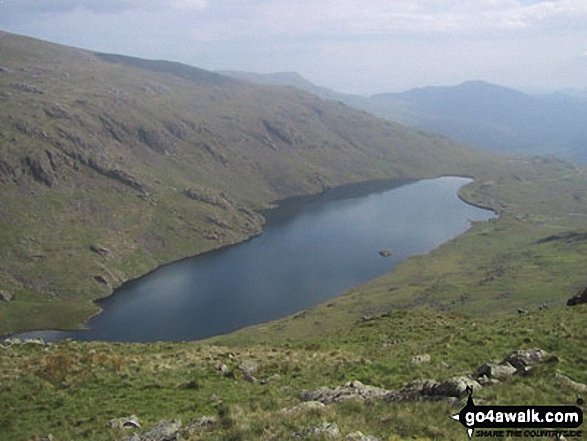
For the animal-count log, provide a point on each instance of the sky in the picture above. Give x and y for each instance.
(352, 46)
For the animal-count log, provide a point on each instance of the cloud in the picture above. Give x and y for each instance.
(32, 7)
(381, 17)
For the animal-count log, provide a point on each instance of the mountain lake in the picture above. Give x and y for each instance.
(312, 249)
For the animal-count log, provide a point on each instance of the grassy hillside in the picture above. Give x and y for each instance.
(110, 166)
(73, 390)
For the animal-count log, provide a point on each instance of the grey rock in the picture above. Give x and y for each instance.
(526, 358)
(571, 384)
(327, 430)
(223, 369)
(415, 391)
(420, 359)
(5, 296)
(578, 299)
(456, 387)
(163, 431)
(101, 279)
(304, 407)
(27, 341)
(358, 436)
(496, 371)
(351, 390)
(249, 367)
(124, 423)
(99, 249)
(204, 421)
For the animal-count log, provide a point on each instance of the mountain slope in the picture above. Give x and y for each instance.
(110, 166)
(495, 117)
(479, 113)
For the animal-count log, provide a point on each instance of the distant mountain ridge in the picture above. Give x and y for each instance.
(494, 117)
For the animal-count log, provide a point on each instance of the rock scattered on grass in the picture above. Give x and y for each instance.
(358, 436)
(578, 299)
(163, 431)
(420, 359)
(124, 423)
(495, 371)
(349, 391)
(525, 359)
(304, 407)
(5, 297)
(204, 421)
(99, 249)
(571, 384)
(326, 430)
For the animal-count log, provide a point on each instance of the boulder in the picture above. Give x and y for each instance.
(249, 368)
(124, 423)
(324, 430)
(495, 371)
(419, 359)
(414, 391)
(578, 299)
(163, 431)
(571, 384)
(456, 387)
(304, 407)
(99, 249)
(349, 391)
(204, 421)
(358, 436)
(526, 358)
(5, 296)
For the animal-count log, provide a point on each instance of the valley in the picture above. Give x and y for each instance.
(112, 166)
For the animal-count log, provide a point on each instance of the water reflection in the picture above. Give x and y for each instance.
(312, 249)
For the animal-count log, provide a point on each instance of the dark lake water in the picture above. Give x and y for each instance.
(311, 249)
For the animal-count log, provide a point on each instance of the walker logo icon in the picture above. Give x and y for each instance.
(487, 418)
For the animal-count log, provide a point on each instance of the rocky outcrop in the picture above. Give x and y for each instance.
(495, 371)
(99, 249)
(420, 359)
(349, 391)
(249, 368)
(571, 384)
(358, 436)
(5, 297)
(163, 431)
(210, 197)
(525, 359)
(307, 406)
(324, 430)
(451, 389)
(124, 423)
(578, 299)
(38, 171)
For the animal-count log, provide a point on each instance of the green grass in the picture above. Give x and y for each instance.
(73, 389)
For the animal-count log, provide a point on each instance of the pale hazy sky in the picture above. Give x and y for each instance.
(365, 47)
